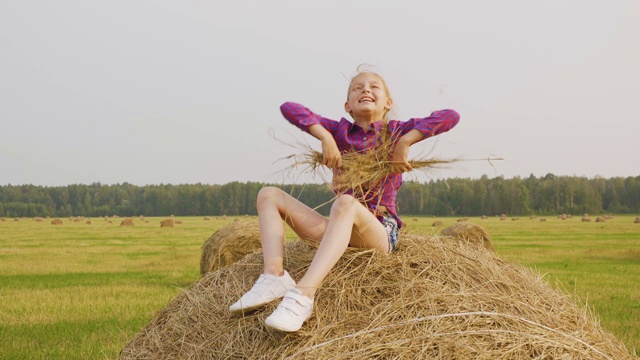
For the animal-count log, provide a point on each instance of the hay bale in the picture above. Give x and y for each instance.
(637, 220)
(127, 222)
(167, 222)
(543, 219)
(470, 233)
(437, 223)
(462, 219)
(600, 219)
(484, 217)
(56, 222)
(178, 222)
(586, 218)
(230, 244)
(88, 222)
(206, 218)
(430, 299)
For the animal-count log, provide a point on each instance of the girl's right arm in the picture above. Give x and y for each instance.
(331, 157)
(318, 127)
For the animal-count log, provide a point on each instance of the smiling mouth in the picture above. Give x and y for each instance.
(366, 99)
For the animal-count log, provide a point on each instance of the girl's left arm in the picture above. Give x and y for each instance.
(418, 129)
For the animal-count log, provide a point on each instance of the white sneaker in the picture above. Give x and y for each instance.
(292, 312)
(266, 289)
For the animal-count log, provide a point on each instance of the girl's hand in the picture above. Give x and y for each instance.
(400, 159)
(331, 157)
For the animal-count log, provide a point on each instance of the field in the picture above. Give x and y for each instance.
(80, 291)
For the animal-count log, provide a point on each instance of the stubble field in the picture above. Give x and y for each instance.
(80, 291)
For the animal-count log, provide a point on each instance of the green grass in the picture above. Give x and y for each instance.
(78, 291)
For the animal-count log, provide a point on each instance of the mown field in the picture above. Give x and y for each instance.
(81, 291)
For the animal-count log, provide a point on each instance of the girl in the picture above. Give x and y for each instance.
(370, 222)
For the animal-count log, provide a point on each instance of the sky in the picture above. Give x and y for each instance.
(182, 92)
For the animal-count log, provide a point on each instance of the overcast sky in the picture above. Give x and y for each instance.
(188, 91)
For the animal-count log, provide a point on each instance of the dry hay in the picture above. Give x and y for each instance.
(3, 219)
(600, 219)
(88, 222)
(430, 299)
(361, 172)
(484, 217)
(127, 222)
(462, 219)
(16, 219)
(470, 233)
(586, 218)
(167, 223)
(178, 222)
(437, 223)
(206, 218)
(543, 219)
(230, 244)
(637, 221)
(56, 222)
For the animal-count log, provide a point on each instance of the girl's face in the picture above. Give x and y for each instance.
(368, 98)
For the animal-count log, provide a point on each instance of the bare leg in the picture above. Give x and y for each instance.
(349, 223)
(273, 206)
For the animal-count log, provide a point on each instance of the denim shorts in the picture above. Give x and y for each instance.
(391, 225)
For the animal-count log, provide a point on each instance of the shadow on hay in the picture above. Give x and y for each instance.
(432, 298)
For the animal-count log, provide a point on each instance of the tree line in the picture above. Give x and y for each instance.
(546, 195)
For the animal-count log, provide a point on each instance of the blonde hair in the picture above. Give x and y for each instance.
(364, 69)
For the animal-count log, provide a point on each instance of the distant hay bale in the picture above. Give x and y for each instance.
(462, 219)
(470, 233)
(533, 217)
(88, 222)
(178, 222)
(230, 244)
(167, 222)
(437, 223)
(484, 217)
(586, 219)
(3, 219)
(430, 299)
(206, 218)
(127, 222)
(543, 219)
(600, 219)
(56, 222)
(16, 219)
(515, 219)
(637, 220)
(37, 219)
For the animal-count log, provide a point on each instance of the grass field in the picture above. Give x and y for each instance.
(80, 291)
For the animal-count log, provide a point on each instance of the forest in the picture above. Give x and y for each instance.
(547, 195)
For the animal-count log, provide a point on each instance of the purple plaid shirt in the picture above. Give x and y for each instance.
(351, 137)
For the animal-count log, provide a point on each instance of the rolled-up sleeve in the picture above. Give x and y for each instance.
(438, 122)
(299, 115)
